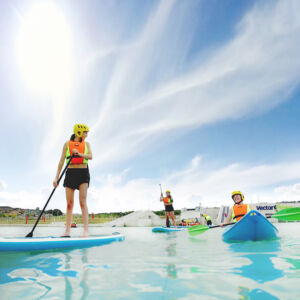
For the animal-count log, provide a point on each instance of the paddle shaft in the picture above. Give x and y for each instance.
(289, 214)
(167, 220)
(267, 217)
(160, 188)
(30, 234)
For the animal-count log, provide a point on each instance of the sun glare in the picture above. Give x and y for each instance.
(44, 49)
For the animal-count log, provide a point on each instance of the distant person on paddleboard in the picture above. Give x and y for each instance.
(239, 209)
(169, 210)
(207, 219)
(77, 175)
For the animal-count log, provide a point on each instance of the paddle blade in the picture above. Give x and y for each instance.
(288, 214)
(30, 234)
(197, 229)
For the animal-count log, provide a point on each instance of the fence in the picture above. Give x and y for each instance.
(50, 220)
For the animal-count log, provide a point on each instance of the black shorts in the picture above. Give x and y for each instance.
(75, 177)
(209, 222)
(169, 208)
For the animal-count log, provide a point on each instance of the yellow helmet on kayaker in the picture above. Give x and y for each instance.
(79, 129)
(168, 191)
(204, 215)
(237, 193)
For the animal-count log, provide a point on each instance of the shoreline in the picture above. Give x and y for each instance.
(47, 225)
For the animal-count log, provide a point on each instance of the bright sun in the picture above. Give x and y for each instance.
(44, 49)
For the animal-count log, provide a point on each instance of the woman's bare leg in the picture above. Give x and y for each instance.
(167, 216)
(173, 218)
(70, 204)
(84, 209)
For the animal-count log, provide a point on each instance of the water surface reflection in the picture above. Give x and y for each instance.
(260, 254)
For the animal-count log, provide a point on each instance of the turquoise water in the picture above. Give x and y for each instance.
(155, 266)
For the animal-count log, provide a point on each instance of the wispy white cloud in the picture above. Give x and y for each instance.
(196, 183)
(140, 93)
(253, 71)
(289, 192)
(3, 185)
(189, 186)
(22, 199)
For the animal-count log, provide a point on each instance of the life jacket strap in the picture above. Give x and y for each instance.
(68, 157)
(238, 216)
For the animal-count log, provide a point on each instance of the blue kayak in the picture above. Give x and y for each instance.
(252, 227)
(167, 229)
(51, 243)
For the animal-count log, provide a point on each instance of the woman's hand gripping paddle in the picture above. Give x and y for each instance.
(287, 214)
(30, 234)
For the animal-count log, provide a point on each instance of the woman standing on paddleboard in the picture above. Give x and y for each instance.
(169, 210)
(77, 175)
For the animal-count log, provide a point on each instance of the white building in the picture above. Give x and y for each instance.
(193, 213)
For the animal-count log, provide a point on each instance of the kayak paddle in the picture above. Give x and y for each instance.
(198, 229)
(288, 214)
(30, 234)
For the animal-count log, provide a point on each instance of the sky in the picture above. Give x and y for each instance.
(199, 96)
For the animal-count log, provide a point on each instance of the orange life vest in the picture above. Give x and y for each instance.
(239, 210)
(168, 200)
(81, 147)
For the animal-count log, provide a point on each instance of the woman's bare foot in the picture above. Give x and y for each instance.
(85, 234)
(66, 234)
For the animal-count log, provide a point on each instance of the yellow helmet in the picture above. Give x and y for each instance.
(204, 215)
(168, 191)
(79, 129)
(237, 193)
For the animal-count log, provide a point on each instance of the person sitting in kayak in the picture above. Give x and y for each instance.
(239, 209)
(169, 210)
(207, 219)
